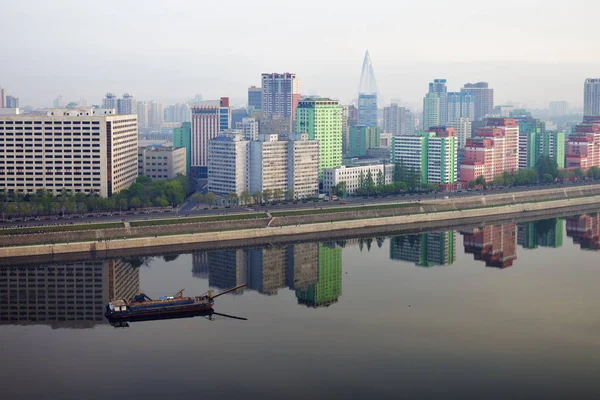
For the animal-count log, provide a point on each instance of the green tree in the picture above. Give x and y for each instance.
(278, 194)
(472, 184)
(593, 173)
(578, 172)
(267, 195)
(135, 202)
(380, 181)
(341, 189)
(232, 198)
(480, 181)
(210, 198)
(400, 186)
(258, 196)
(546, 165)
(245, 197)
(123, 204)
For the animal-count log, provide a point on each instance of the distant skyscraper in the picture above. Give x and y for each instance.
(208, 119)
(12, 102)
(59, 102)
(2, 98)
(345, 130)
(460, 105)
(179, 112)
(397, 120)
(109, 101)
(484, 98)
(321, 119)
(143, 114)
(127, 104)
(591, 100)
(280, 95)
(249, 128)
(438, 86)
(254, 99)
(367, 109)
(431, 110)
(367, 94)
(155, 114)
(559, 108)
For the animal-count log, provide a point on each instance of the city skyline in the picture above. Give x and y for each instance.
(552, 56)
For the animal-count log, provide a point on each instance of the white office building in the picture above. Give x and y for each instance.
(161, 162)
(352, 176)
(267, 164)
(228, 163)
(80, 150)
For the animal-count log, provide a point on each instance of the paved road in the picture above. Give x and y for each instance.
(189, 209)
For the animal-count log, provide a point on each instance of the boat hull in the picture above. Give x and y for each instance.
(131, 315)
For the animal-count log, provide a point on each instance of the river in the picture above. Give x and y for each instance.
(500, 311)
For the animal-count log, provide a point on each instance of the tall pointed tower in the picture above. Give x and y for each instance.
(367, 94)
(368, 84)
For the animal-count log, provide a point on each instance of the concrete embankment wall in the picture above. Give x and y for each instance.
(434, 206)
(446, 218)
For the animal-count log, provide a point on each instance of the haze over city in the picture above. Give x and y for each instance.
(531, 52)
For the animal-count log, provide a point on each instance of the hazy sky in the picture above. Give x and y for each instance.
(530, 51)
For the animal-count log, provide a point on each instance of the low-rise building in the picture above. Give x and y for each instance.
(161, 162)
(353, 176)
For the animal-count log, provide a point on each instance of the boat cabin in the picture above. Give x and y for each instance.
(117, 306)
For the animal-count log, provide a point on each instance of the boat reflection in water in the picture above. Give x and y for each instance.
(209, 314)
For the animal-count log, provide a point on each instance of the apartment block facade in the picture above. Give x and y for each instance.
(80, 150)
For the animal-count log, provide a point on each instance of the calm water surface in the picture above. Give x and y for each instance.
(504, 311)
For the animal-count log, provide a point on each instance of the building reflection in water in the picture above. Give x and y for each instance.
(544, 233)
(312, 270)
(425, 250)
(64, 296)
(496, 245)
(585, 231)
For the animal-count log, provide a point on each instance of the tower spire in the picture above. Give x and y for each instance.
(368, 85)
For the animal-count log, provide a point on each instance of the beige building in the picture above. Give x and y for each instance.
(268, 164)
(352, 176)
(161, 162)
(80, 150)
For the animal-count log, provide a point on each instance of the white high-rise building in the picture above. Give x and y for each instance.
(431, 110)
(463, 130)
(591, 100)
(155, 114)
(228, 162)
(97, 152)
(249, 128)
(303, 162)
(268, 165)
(143, 114)
(460, 105)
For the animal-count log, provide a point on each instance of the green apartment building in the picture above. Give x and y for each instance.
(535, 141)
(321, 119)
(182, 137)
(432, 155)
(362, 137)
